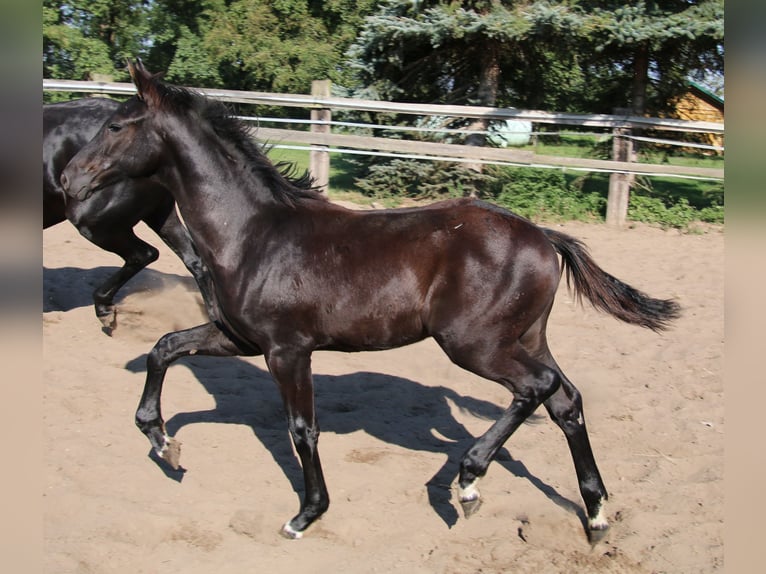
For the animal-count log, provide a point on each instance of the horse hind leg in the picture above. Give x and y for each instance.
(565, 408)
(136, 253)
(531, 383)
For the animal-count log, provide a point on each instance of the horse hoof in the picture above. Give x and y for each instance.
(597, 535)
(471, 506)
(108, 321)
(171, 453)
(290, 533)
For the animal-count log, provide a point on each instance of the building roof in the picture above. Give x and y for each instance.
(706, 94)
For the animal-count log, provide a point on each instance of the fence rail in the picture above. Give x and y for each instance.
(308, 101)
(485, 154)
(321, 141)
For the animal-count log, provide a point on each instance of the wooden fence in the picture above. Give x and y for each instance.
(322, 141)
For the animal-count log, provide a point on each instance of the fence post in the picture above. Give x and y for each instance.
(619, 183)
(319, 159)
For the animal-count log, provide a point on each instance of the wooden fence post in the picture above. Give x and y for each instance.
(319, 159)
(619, 183)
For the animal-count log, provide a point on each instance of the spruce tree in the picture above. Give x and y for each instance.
(578, 55)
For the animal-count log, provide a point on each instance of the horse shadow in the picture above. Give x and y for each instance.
(245, 394)
(63, 287)
(68, 288)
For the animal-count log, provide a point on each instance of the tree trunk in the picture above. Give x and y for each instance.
(489, 78)
(640, 79)
(620, 184)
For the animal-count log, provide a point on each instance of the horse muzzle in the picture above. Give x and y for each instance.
(78, 184)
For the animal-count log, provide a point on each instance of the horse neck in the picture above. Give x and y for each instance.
(216, 190)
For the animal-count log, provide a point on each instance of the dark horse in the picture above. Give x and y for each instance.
(294, 273)
(107, 219)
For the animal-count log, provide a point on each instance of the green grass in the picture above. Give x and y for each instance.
(666, 201)
(296, 156)
(343, 170)
(697, 192)
(573, 145)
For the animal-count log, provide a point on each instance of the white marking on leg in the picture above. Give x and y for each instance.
(291, 533)
(599, 522)
(166, 444)
(470, 492)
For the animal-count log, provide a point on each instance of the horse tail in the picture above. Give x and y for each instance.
(607, 293)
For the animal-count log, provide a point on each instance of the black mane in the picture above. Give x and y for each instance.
(281, 178)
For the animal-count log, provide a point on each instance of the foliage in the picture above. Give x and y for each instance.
(267, 45)
(713, 214)
(84, 38)
(668, 41)
(568, 56)
(536, 193)
(435, 52)
(192, 65)
(420, 179)
(575, 55)
(572, 56)
(544, 194)
(653, 210)
(675, 209)
(280, 45)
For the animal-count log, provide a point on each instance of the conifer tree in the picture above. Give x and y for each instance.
(568, 56)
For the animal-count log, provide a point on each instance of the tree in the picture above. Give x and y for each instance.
(82, 38)
(576, 55)
(276, 45)
(270, 45)
(654, 47)
(481, 52)
(177, 28)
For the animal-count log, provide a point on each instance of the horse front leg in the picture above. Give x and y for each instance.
(292, 372)
(205, 339)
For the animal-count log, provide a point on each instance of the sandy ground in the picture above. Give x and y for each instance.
(394, 425)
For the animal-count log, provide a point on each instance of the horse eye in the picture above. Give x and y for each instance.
(114, 128)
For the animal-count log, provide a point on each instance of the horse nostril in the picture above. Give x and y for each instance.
(64, 181)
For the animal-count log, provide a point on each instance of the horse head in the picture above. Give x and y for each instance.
(128, 145)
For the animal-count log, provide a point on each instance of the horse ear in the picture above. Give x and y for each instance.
(143, 80)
